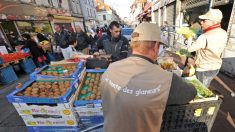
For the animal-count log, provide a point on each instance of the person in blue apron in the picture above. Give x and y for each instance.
(114, 43)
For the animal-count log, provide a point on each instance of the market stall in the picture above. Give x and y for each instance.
(7, 61)
(66, 96)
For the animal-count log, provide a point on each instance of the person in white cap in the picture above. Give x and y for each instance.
(135, 91)
(209, 46)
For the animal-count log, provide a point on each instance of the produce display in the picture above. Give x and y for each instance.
(91, 87)
(183, 52)
(61, 70)
(167, 63)
(13, 56)
(45, 45)
(202, 91)
(46, 89)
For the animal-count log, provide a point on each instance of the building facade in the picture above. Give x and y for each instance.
(136, 9)
(105, 14)
(89, 13)
(76, 12)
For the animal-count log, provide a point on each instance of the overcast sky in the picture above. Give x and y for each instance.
(121, 6)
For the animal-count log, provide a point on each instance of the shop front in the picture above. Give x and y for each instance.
(164, 12)
(17, 19)
(191, 9)
(61, 17)
(79, 22)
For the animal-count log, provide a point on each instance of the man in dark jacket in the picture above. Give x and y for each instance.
(83, 41)
(62, 40)
(114, 43)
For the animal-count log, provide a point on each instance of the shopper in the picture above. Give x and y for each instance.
(72, 33)
(34, 49)
(62, 40)
(114, 43)
(135, 91)
(83, 41)
(100, 33)
(209, 46)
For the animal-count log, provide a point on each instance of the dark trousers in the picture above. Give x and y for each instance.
(205, 77)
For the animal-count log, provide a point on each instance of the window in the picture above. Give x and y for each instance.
(104, 17)
(94, 14)
(50, 2)
(92, 2)
(91, 13)
(88, 12)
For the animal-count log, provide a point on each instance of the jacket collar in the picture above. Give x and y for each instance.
(143, 57)
(212, 27)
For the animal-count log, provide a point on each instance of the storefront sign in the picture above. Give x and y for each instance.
(62, 12)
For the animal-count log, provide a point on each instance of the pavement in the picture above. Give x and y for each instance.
(10, 121)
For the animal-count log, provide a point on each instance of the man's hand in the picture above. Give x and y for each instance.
(96, 54)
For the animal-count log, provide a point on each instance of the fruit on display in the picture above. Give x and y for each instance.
(13, 56)
(43, 89)
(91, 87)
(189, 71)
(202, 91)
(183, 52)
(167, 63)
(63, 70)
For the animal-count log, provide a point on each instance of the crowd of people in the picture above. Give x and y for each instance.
(65, 43)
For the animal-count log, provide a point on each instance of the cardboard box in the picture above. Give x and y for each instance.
(49, 120)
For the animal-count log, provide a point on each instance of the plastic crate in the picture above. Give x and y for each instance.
(28, 65)
(76, 74)
(93, 63)
(7, 75)
(1, 61)
(90, 112)
(62, 99)
(195, 117)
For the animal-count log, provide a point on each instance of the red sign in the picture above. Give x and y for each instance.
(59, 12)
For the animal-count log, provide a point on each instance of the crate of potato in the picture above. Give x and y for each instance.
(88, 103)
(71, 70)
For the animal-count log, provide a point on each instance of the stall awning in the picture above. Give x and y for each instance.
(189, 4)
(220, 2)
(161, 3)
(17, 11)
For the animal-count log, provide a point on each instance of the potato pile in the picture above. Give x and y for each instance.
(91, 87)
(46, 89)
(63, 70)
